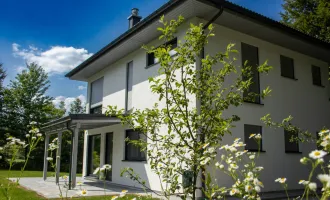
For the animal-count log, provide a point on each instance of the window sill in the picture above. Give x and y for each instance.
(256, 103)
(254, 150)
(149, 66)
(292, 78)
(322, 86)
(293, 152)
(140, 161)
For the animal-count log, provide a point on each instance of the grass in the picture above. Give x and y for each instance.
(3, 174)
(19, 193)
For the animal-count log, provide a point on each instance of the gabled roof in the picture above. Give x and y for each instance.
(233, 9)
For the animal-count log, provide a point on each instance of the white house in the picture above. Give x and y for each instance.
(118, 75)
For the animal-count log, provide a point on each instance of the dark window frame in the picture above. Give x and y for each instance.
(283, 65)
(287, 138)
(141, 155)
(150, 57)
(247, 139)
(317, 78)
(258, 98)
(91, 110)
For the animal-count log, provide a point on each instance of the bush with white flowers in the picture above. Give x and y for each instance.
(14, 152)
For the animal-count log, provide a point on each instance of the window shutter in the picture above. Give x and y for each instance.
(316, 74)
(250, 54)
(287, 67)
(97, 91)
(129, 83)
(290, 146)
(251, 143)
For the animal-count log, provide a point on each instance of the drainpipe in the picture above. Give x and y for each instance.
(201, 195)
(69, 129)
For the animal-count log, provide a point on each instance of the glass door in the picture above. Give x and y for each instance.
(94, 152)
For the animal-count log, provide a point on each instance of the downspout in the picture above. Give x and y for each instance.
(69, 129)
(198, 102)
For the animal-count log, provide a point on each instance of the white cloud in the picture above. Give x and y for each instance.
(56, 60)
(81, 87)
(68, 101)
(20, 68)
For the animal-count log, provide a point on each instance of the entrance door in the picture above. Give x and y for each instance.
(108, 153)
(94, 152)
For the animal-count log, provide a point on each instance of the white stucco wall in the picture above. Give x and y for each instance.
(308, 104)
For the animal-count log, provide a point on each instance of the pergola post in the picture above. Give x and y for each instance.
(84, 171)
(58, 157)
(45, 157)
(74, 156)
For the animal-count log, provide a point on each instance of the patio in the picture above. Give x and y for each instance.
(49, 189)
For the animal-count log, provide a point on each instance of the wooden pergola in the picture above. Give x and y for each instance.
(73, 123)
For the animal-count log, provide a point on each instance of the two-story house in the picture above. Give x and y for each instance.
(118, 75)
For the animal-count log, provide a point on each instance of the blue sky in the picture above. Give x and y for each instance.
(60, 34)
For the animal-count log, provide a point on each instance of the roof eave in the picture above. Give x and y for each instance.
(146, 21)
(228, 6)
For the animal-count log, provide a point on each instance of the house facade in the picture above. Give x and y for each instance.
(118, 75)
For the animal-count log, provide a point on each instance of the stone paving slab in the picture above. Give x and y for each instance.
(49, 189)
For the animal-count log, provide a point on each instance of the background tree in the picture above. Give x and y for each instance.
(309, 16)
(26, 100)
(62, 108)
(2, 78)
(76, 107)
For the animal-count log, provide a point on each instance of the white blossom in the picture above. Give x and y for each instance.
(248, 188)
(234, 191)
(83, 192)
(304, 160)
(96, 171)
(312, 186)
(123, 193)
(324, 178)
(303, 182)
(281, 180)
(316, 154)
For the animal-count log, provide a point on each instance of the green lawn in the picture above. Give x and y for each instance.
(3, 173)
(20, 193)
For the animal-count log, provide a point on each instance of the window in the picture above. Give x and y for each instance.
(287, 67)
(151, 60)
(96, 110)
(250, 55)
(316, 74)
(96, 92)
(290, 146)
(132, 152)
(251, 143)
(129, 85)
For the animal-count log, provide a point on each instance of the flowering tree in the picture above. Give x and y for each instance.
(182, 139)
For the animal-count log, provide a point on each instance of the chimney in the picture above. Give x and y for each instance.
(134, 18)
